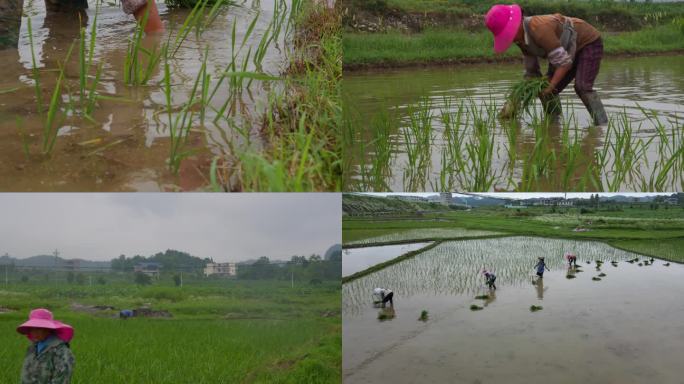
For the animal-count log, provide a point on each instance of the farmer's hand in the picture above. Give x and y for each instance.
(548, 91)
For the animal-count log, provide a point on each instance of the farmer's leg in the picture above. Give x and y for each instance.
(388, 298)
(551, 103)
(139, 8)
(10, 21)
(65, 5)
(588, 64)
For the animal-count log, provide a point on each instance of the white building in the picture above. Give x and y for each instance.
(221, 269)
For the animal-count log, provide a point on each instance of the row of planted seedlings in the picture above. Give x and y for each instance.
(455, 267)
(141, 66)
(480, 152)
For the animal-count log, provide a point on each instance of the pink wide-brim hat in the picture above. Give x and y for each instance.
(42, 318)
(503, 21)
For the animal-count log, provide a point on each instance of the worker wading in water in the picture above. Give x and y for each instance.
(572, 46)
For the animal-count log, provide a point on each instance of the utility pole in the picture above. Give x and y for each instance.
(292, 279)
(181, 279)
(6, 266)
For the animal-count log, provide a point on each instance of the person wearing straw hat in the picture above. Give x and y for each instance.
(540, 267)
(49, 359)
(573, 47)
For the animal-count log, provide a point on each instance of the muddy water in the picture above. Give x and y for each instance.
(625, 328)
(127, 146)
(358, 259)
(654, 83)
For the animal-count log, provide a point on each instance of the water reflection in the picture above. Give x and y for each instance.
(626, 86)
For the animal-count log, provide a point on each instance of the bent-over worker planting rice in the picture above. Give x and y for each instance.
(572, 46)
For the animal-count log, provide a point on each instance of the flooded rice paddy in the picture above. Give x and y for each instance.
(139, 134)
(357, 259)
(436, 128)
(423, 233)
(624, 328)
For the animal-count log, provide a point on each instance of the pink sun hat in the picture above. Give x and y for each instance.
(42, 318)
(503, 21)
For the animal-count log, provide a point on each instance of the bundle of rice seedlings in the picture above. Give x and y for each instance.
(475, 307)
(522, 95)
(596, 279)
(535, 308)
(569, 276)
(423, 316)
(602, 275)
(482, 297)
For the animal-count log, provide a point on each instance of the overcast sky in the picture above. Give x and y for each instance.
(226, 227)
(529, 195)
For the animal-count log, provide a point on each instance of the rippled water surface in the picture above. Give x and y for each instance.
(634, 89)
(623, 328)
(126, 144)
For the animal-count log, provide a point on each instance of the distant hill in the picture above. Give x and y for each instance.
(359, 204)
(479, 201)
(50, 261)
(627, 199)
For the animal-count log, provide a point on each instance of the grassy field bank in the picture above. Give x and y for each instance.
(409, 32)
(444, 46)
(635, 229)
(223, 331)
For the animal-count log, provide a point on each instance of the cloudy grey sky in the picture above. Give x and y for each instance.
(227, 227)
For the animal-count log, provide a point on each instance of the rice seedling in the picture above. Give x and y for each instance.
(602, 275)
(596, 278)
(482, 297)
(423, 315)
(140, 62)
(558, 157)
(385, 314)
(570, 276)
(535, 308)
(522, 95)
(179, 128)
(667, 264)
(641, 265)
(475, 307)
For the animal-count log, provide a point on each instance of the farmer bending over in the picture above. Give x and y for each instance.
(572, 46)
(571, 259)
(540, 267)
(49, 359)
(385, 295)
(491, 278)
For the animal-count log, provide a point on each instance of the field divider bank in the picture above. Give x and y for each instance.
(387, 263)
(421, 240)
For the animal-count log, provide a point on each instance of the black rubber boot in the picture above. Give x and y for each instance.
(594, 105)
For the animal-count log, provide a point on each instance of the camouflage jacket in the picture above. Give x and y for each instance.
(54, 365)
